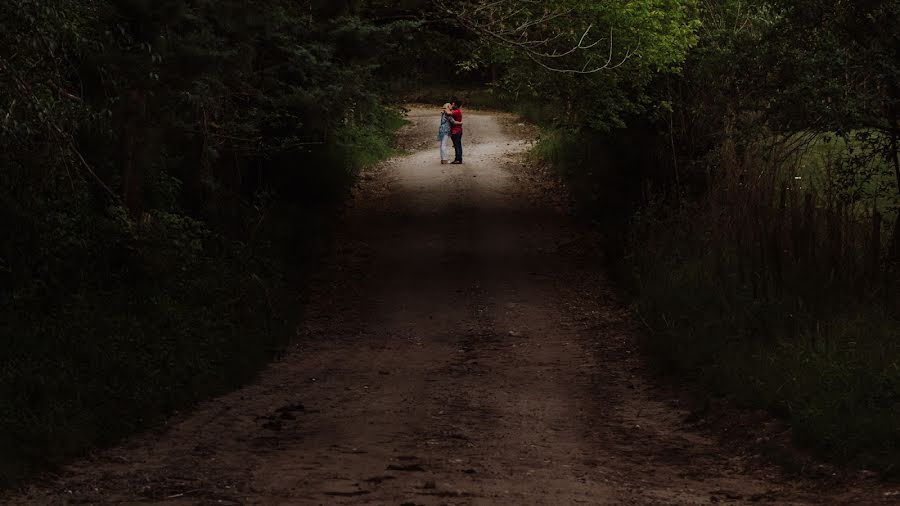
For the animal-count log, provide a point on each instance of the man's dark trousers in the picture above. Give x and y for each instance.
(457, 146)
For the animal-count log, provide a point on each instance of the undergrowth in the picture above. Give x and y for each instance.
(760, 291)
(129, 321)
(830, 364)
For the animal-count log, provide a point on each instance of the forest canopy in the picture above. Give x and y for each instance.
(167, 167)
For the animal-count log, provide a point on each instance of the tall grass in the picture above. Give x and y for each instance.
(781, 296)
(769, 287)
(362, 144)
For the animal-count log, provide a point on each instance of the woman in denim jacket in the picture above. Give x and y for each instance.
(447, 122)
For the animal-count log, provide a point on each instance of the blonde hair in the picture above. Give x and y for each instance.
(447, 106)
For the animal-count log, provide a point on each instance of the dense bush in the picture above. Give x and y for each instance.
(764, 257)
(166, 169)
(771, 294)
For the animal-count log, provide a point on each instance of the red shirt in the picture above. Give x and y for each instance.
(457, 115)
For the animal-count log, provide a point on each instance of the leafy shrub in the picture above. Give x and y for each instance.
(780, 301)
(168, 169)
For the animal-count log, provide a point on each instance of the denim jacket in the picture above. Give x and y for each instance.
(444, 129)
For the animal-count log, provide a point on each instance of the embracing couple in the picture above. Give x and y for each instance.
(452, 127)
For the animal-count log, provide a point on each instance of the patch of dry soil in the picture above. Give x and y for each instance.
(461, 349)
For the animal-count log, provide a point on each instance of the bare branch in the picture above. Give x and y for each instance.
(527, 27)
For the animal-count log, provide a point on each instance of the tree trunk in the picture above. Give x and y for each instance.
(132, 162)
(895, 134)
(895, 243)
(875, 246)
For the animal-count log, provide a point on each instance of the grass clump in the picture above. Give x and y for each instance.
(781, 299)
(764, 288)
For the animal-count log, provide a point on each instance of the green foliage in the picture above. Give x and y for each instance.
(592, 61)
(817, 347)
(167, 171)
(103, 362)
(850, 168)
(779, 68)
(764, 258)
(364, 146)
(770, 276)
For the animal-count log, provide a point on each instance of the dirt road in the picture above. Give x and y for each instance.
(462, 348)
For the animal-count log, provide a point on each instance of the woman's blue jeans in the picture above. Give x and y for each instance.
(445, 155)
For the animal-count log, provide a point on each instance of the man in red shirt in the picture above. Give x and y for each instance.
(456, 130)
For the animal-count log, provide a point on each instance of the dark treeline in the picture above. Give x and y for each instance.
(776, 276)
(752, 204)
(169, 169)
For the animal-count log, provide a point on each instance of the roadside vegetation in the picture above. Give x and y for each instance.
(169, 171)
(760, 232)
(169, 174)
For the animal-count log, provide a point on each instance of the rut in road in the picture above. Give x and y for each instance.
(462, 349)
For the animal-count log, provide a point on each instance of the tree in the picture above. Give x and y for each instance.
(598, 55)
(840, 69)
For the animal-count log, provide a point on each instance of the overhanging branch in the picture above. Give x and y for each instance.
(515, 23)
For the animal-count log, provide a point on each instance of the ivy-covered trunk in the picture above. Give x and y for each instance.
(895, 157)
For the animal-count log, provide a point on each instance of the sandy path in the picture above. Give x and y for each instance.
(462, 349)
